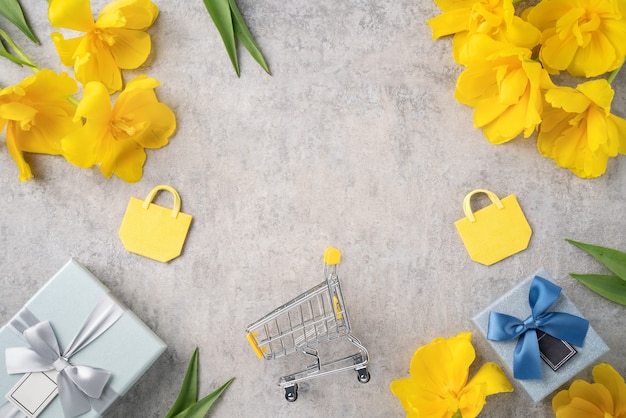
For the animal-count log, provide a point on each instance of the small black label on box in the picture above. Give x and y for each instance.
(553, 351)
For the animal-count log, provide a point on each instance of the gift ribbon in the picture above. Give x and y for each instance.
(561, 325)
(80, 387)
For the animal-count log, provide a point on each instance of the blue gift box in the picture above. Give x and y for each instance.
(126, 348)
(516, 303)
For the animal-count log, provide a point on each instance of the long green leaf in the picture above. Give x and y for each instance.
(609, 286)
(4, 52)
(220, 13)
(243, 34)
(612, 259)
(13, 12)
(188, 394)
(201, 408)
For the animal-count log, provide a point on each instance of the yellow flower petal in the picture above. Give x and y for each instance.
(406, 390)
(66, 48)
(449, 23)
(493, 377)
(95, 104)
(597, 129)
(599, 92)
(567, 99)
(125, 159)
(19, 112)
(579, 408)
(80, 147)
(71, 14)
(606, 375)
(137, 14)
(99, 67)
(16, 154)
(593, 393)
(131, 47)
(598, 57)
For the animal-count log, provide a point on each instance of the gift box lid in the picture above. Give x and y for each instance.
(126, 349)
(515, 303)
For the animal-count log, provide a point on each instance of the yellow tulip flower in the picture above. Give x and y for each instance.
(494, 18)
(504, 86)
(606, 398)
(115, 137)
(438, 386)
(116, 40)
(585, 37)
(578, 131)
(37, 114)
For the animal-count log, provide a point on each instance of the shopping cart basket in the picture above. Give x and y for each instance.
(318, 315)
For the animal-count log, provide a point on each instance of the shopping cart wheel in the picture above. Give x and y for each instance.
(363, 375)
(291, 393)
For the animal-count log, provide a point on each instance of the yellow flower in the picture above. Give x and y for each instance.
(504, 86)
(438, 385)
(116, 40)
(494, 18)
(578, 131)
(115, 137)
(585, 37)
(606, 398)
(37, 115)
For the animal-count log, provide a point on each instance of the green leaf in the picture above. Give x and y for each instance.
(188, 394)
(4, 52)
(457, 414)
(13, 12)
(201, 408)
(609, 286)
(220, 13)
(612, 259)
(243, 34)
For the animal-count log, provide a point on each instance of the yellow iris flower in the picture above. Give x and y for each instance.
(585, 37)
(606, 398)
(504, 86)
(116, 40)
(438, 385)
(578, 131)
(115, 137)
(494, 18)
(37, 114)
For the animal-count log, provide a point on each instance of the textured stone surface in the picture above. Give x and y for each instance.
(356, 142)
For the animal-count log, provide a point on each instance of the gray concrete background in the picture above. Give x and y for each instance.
(356, 142)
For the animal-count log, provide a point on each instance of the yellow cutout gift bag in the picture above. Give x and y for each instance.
(154, 231)
(495, 232)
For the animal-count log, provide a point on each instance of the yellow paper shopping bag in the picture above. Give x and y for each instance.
(495, 232)
(154, 231)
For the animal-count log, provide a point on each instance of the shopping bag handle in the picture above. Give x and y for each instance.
(467, 207)
(153, 192)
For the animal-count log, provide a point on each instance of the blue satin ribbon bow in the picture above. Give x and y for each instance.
(564, 326)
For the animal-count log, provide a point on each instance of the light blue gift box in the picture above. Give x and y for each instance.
(515, 303)
(126, 349)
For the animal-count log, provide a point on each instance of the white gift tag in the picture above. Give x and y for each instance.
(34, 392)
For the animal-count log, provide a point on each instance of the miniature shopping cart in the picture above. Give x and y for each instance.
(316, 316)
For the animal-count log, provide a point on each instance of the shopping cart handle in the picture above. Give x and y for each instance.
(332, 256)
(254, 345)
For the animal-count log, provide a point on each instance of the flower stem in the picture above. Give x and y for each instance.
(614, 74)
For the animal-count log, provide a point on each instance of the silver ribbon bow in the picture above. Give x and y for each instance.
(80, 387)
